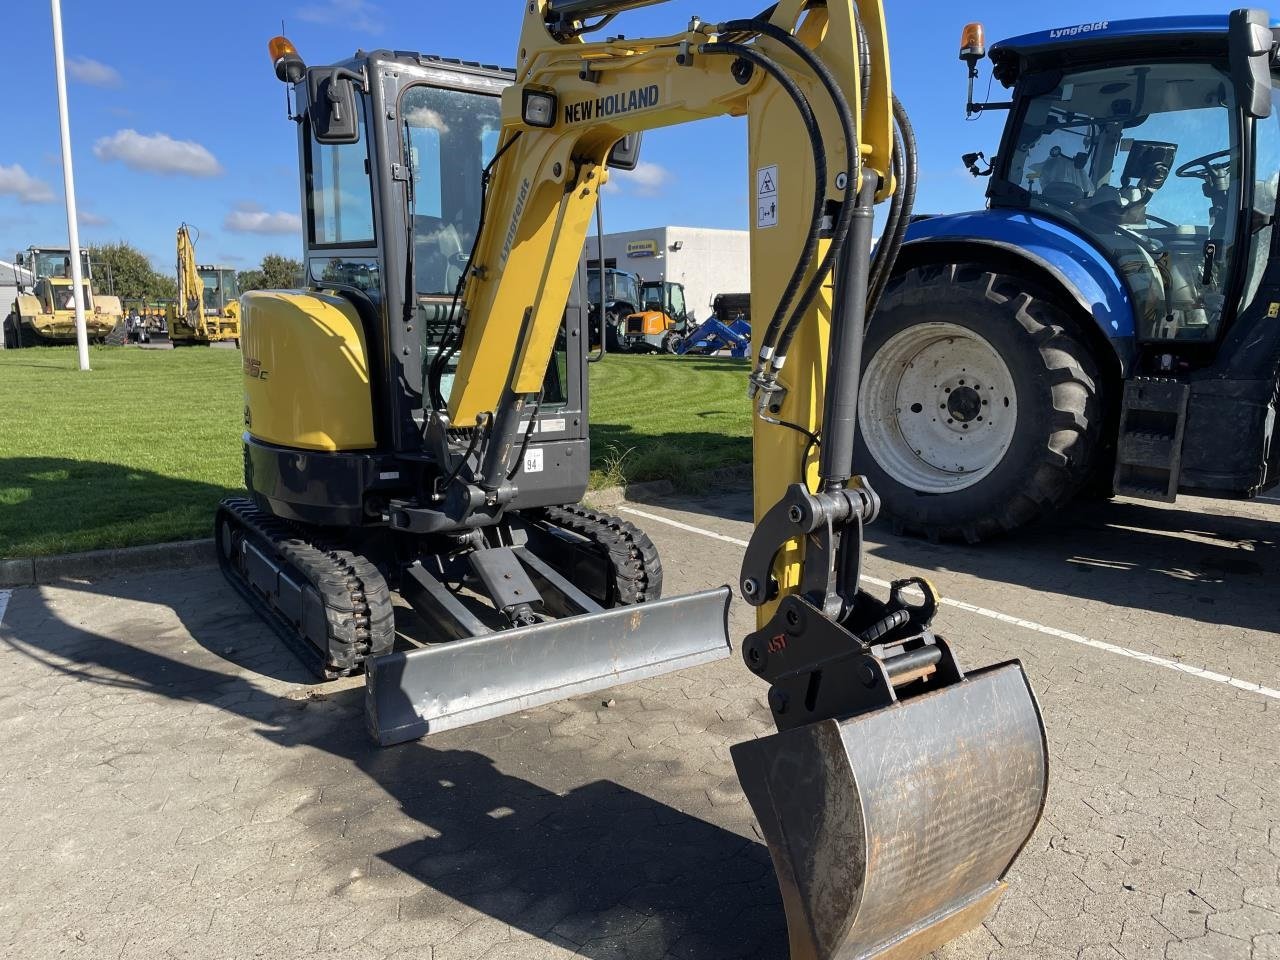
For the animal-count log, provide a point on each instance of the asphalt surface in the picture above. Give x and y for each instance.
(174, 787)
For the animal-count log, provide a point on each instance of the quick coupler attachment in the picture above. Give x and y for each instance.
(439, 687)
(899, 791)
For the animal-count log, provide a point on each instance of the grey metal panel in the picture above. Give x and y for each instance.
(413, 693)
(895, 828)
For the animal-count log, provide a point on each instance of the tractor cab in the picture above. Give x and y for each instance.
(53, 286)
(1141, 136)
(663, 296)
(221, 289)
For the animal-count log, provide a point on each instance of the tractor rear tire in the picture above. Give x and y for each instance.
(980, 405)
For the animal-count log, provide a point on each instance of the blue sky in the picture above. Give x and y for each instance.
(177, 116)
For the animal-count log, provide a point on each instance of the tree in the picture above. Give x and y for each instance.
(276, 272)
(125, 270)
(251, 280)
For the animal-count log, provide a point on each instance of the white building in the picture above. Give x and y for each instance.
(10, 276)
(706, 261)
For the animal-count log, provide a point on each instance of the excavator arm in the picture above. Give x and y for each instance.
(190, 306)
(899, 789)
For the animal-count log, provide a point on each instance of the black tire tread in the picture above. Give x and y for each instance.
(1063, 464)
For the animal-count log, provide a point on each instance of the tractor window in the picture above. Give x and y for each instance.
(340, 195)
(1266, 181)
(677, 301)
(57, 263)
(212, 293)
(1145, 160)
(451, 135)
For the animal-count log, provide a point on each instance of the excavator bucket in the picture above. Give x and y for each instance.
(891, 831)
(410, 694)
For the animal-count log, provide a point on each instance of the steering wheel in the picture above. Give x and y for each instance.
(1207, 168)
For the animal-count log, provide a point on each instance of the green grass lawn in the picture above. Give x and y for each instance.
(140, 449)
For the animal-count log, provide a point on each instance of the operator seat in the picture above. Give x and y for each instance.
(1062, 179)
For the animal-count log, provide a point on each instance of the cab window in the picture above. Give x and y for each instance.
(340, 194)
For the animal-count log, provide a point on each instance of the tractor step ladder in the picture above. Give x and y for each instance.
(1149, 451)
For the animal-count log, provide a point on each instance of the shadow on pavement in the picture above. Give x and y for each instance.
(601, 867)
(1177, 561)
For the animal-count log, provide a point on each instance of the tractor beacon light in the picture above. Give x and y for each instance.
(973, 43)
(285, 58)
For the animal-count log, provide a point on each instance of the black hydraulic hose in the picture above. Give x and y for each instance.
(894, 217)
(820, 170)
(907, 187)
(777, 341)
(864, 59)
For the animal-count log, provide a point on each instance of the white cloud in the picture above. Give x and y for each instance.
(157, 153)
(353, 14)
(92, 72)
(646, 180)
(251, 218)
(16, 182)
(88, 218)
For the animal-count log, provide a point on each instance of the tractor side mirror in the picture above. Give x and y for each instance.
(625, 154)
(1249, 41)
(331, 104)
(19, 261)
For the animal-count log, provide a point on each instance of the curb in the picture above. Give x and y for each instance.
(651, 489)
(98, 564)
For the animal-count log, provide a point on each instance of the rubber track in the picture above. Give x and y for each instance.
(355, 597)
(636, 565)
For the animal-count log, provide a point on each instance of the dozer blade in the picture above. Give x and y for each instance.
(413, 693)
(891, 831)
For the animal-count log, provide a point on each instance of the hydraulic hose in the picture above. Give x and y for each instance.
(819, 162)
(776, 341)
(907, 183)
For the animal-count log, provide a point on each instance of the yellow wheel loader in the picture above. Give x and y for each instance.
(45, 313)
(417, 424)
(208, 305)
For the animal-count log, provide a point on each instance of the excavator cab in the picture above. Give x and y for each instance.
(417, 424)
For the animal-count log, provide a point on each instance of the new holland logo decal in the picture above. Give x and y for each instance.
(612, 104)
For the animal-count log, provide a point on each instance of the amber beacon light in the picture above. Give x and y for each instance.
(973, 43)
(284, 57)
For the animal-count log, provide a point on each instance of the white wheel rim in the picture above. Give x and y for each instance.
(938, 407)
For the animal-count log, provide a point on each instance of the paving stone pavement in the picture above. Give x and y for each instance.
(174, 787)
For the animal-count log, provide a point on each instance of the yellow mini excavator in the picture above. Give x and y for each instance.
(416, 423)
(208, 306)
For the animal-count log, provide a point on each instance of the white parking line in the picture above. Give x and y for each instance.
(1187, 668)
(4, 602)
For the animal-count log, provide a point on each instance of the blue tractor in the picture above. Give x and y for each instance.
(1110, 323)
